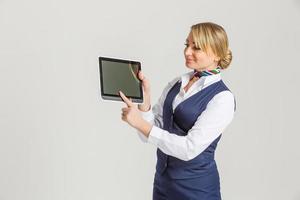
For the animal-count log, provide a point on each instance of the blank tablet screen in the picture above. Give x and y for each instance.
(120, 75)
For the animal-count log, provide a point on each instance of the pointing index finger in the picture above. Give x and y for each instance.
(125, 99)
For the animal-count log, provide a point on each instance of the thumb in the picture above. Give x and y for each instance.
(141, 75)
(145, 82)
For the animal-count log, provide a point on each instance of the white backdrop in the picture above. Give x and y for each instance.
(60, 141)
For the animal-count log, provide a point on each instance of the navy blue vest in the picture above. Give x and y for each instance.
(179, 123)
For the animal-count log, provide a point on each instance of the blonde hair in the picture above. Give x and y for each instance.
(210, 36)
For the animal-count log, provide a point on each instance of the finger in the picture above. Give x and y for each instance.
(143, 78)
(133, 105)
(123, 115)
(141, 75)
(145, 82)
(125, 99)
(125, 109)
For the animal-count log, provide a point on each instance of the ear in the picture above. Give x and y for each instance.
(217, 59)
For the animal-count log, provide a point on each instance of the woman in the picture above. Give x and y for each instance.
(187, 121)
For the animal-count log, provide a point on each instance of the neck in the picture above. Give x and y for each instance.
(208, 68)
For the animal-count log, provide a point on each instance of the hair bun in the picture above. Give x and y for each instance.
(225, 62)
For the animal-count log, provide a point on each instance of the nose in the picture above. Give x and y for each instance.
(188, 51)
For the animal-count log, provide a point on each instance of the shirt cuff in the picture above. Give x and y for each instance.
(148, 115)
(155, 135)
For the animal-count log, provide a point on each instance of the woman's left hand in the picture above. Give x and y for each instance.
(131, 113)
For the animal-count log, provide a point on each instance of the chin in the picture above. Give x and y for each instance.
(189, 66)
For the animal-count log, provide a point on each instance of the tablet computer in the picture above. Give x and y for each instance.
(120, 75)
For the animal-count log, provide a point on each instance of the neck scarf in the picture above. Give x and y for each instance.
(207, 72)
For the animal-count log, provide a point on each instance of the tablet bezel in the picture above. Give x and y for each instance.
(113, 97)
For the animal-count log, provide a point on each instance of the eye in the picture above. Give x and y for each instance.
(196, 48)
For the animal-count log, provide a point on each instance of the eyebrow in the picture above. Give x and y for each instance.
(188, 41)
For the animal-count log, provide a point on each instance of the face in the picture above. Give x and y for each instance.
(196, 58)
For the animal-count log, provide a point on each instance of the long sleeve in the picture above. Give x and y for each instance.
(209, 125)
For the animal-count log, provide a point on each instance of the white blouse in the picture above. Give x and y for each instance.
(209, 125)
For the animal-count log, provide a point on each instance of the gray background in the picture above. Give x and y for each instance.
(59, 140)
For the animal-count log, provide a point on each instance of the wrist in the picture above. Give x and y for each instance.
(144, 108)
(146, 105)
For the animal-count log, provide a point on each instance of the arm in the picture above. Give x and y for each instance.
(209, 125)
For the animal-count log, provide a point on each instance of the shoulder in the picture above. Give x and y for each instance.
(224, 98)
(173, 81)
(225, 95)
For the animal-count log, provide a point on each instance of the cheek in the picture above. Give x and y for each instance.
(203, 59)
(200, 59)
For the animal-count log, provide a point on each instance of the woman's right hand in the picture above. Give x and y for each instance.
(146, 90)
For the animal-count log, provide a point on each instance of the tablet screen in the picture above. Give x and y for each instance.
(120, 75)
